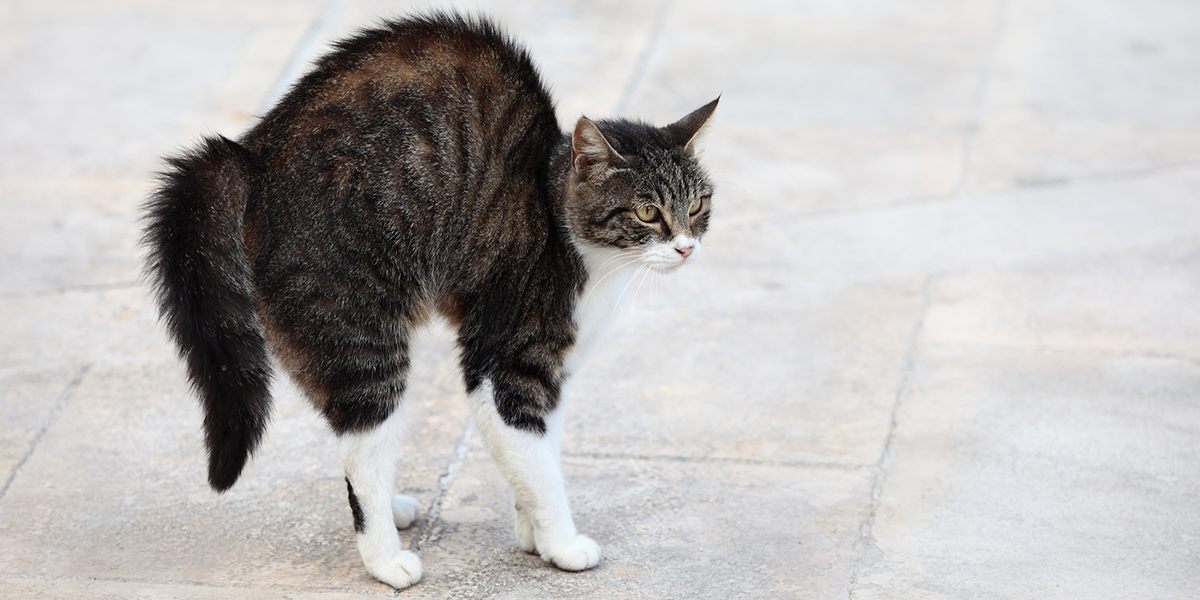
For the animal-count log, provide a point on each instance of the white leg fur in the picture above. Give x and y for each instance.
(530, 462)
(405, 510)
(370, 460)
(524, 523)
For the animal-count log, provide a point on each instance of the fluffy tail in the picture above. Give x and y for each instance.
(197, 264)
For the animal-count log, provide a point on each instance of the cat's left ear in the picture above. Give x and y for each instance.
(684, 132)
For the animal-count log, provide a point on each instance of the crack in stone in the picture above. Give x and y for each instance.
(428, 531)
(61, 402)
(866, 539)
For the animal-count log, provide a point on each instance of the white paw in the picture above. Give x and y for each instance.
(524, 529)
(576, 554)
(401, 571)
(405, 510)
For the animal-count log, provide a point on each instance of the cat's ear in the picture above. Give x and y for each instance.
(684, 132)
(591, 154)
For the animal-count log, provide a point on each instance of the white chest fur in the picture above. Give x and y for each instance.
(610, 274)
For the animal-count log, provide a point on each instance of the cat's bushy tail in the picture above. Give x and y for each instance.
(197, 264)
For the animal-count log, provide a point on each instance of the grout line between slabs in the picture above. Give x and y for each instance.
(802, 464)
(987, 195)
(305, 51)
(865, 539)
(985, 83)
(63, 397)
(429, 528)
(67, 289)
(184, 582)
(641, 66)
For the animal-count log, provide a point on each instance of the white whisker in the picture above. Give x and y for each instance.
(619, 256)
(646, 274)
(621, 296)
(591, 288)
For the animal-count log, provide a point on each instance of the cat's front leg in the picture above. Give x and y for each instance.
(525, 448)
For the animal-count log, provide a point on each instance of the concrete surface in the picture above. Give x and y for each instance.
(943, 343)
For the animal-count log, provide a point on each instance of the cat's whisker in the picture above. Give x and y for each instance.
(621, 296)
(646, 273)
(593, 287)
(618, 256)
(658, 283)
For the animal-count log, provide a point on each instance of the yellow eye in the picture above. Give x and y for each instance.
(694, 207)
(647, 213)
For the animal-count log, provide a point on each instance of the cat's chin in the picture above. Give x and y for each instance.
(667, 268)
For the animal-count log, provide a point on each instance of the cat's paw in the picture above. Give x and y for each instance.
(524, 529)
(405, 510)
(578, 553)
(400, 571)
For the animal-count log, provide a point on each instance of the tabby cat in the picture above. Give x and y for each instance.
(417, 170)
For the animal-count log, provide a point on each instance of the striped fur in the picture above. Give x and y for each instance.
(418, 169)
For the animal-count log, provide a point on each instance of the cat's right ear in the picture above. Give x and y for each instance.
(591, 154)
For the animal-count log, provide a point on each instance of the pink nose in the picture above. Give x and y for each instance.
(686, 251)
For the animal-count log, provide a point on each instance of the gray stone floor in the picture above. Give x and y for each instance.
(944, 343)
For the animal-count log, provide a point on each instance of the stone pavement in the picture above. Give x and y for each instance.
(944, 343)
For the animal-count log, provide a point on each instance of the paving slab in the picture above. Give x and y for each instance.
(826, 106)
(100, 589)
(668, 529)
(1012, 180)
(116, 490)
(106, 90)
(99, 92)
(587, 53)
(1133, 303)
(1051, 429)
(69, 233)
(758, 370)
(1020, 473)
(28, 399)
(81, 326)
(1028, 226)
(1078, 88)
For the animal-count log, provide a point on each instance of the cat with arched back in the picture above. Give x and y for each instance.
(417, 170)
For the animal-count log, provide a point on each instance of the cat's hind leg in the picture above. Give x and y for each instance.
(351, 358)
(370, 460)
(405, 510)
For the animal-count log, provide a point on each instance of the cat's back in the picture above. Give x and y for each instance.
(422, 144)
(434, 80)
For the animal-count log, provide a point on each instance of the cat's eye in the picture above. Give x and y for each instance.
(646, 213)
(694, 207)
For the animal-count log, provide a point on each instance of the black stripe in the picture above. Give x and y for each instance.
(608, 217)
(355, 509)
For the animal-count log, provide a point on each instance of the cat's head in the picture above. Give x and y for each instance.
(639, 189)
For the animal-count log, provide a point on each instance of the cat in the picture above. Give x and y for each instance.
(417, 170)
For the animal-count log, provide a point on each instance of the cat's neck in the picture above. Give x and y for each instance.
(599, 263)
(558, 175)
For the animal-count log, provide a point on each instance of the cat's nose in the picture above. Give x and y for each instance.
(685, 251)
